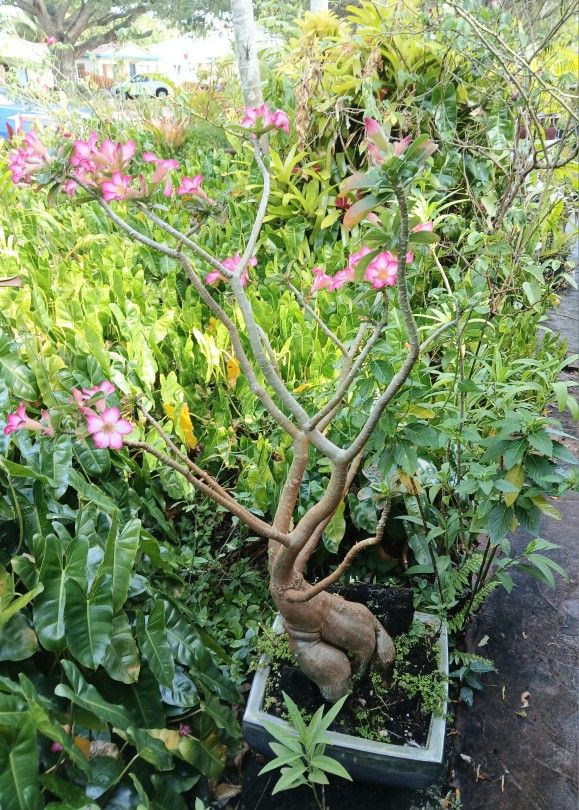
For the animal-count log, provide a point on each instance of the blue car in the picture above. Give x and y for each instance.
(16, 114)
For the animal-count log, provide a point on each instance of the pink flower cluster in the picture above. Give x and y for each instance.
(19, 420)
(104, 424)
(382, 271)
(214, 277)
(262, 117)
(28, 159)
(106, 427)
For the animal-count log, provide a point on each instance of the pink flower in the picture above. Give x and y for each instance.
(342, 202)
(231, 262)
(28, 159)
(382, 270)
(19, 420)
(280, 120)
(108, 429)
(322, 281)
(50, 41)
(261, 117)
(423, 226)
(402, 145)
(117, 188)
(184, 730)
(70, 187)
(191, 185)
(56, 748)
(162, 167)
(342, 277)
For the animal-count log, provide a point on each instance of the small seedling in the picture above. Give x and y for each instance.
(300, 752)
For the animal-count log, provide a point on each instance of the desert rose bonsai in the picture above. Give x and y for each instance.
(325, 631)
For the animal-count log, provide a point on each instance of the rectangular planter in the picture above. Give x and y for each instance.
(366, 760)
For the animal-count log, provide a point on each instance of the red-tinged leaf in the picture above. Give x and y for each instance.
(359, 210)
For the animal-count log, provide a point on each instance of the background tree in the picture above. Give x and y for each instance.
(246, 47)
(80, 26)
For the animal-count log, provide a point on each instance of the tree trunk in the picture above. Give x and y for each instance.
(65, 68)
(246, 46)
(324, 629)
(318, 5)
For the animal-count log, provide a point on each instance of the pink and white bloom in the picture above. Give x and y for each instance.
(423, 226)
(117, 188)
(108, 429)
(19, 420)
(162, 167)
(261, 117)
(382, 270)
(322, 281)
(231, 262)
(348, 274)
(50, 41)
(191, 185)
(28, 159)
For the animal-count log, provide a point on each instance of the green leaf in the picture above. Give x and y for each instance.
(56, 461)
(119, 559)
(444, 101)
(89, 623)
(49, 605)
(153, 642)
(85, 695)
(542, 442)
(335, 530)
(289, 779)
(22, 471)
(18, 378)
(93, 461)
(51, 728)
(122, 661)
(17, 639)
(91, 493)
(330, 765)
(19, 788)
(514, 453)
(205, 752)
(143, 700)
(11, 708)
(546, 507)
(499, 521)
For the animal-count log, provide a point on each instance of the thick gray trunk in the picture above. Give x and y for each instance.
(246, 46)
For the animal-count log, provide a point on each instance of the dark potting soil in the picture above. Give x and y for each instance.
(376, 709)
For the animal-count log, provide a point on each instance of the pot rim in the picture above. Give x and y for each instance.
(432, 752)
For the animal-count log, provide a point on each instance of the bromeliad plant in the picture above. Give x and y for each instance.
(325, 631)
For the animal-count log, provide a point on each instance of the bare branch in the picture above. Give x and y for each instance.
(323, 584)
(256, 525)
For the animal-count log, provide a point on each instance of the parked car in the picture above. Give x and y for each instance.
(16, 114)
(141, 86)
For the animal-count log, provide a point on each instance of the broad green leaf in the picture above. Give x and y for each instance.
(207, 754)
(11, 709)
(17, 639)
(49, 605)
(153, 642)
(335, 530)
(516, 477)
(122, 661)
(91, 493)
(546, 507)
(119, 559)
(500, 520)
(92, 460)
(56, 461)
(49, 727)
(143, 700)
(22, 471)
(18, 377)
(19, 788)
(330, 765)
(88, 619)
(86, 696)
